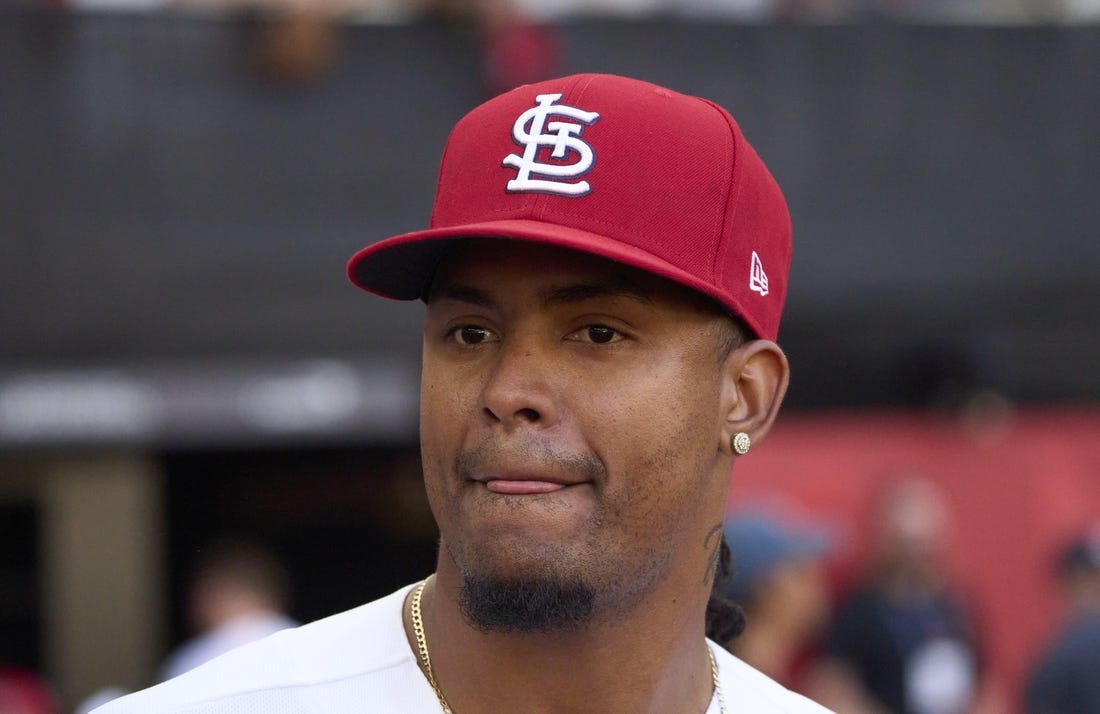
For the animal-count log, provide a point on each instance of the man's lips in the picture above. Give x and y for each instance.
(522, 487)
(527, 471)
(524, 482)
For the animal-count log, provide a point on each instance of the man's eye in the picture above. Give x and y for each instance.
(597, 334)
(471, 335)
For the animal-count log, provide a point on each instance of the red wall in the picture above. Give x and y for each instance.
(1017, 485)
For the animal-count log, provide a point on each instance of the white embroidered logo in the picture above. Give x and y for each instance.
(758, 279)
(563, 138)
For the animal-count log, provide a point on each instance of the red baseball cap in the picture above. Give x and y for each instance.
(611, 166)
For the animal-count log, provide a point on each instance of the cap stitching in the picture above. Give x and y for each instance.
(542, 202)
(737, 175)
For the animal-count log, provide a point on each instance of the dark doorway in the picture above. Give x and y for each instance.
(350, 525)
(20, 621)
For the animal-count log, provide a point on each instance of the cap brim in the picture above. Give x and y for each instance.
(402, 267)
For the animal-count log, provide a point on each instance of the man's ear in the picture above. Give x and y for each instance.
(755, 380)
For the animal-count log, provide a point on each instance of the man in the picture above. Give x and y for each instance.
(1065, 680)
(903, 640)
(239, 592)
(604, 278)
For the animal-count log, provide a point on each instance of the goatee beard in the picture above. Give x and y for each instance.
(525, 605)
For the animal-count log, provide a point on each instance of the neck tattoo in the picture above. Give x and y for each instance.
(426, 660)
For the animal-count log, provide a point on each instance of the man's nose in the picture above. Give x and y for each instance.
(523, 387)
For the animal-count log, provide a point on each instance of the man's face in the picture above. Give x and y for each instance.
(571, 423)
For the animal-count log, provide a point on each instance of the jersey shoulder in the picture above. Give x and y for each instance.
(752, 690)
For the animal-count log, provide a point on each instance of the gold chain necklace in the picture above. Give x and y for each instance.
(426, 660)
(422, 644)
(717, 682)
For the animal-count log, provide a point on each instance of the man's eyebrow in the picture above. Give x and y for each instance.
(564, 295)
(579, 292)
(463, 293)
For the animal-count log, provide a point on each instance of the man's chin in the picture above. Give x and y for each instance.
(526, 604)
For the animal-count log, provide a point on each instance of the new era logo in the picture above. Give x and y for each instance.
(758, 279)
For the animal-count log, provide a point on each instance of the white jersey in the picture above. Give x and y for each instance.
(359, 662)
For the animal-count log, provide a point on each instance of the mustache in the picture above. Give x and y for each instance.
(533, 455)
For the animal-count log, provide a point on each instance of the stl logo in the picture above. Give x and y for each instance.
(562, 138)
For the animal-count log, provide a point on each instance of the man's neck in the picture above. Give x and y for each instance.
(657, 663)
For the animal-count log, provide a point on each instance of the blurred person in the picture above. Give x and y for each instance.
(902, 642)
(295, 44)
(779, 579)
(1067, 677)
(24, 692)
(515, 48)
(239, 592)
(603, 280)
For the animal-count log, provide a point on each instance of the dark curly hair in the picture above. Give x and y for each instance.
(725, 618)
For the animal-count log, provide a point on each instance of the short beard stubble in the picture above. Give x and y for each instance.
(525, 605)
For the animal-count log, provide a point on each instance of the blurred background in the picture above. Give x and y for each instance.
(183, 362)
